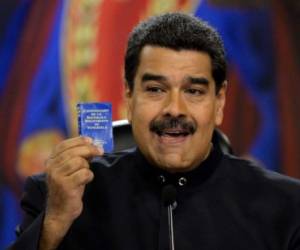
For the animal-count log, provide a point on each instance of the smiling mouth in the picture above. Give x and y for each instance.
(173, 133)
(172, 137)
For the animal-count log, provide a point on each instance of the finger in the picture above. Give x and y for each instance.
(70, 143)
(81, 177)
(72, 165)
(84, 151)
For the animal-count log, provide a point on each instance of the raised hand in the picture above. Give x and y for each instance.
(67, 174)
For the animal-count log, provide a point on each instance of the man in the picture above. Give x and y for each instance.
(175, 74)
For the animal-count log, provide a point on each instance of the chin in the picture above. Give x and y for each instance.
(175, 165)
(176, 168)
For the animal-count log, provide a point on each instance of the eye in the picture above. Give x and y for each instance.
(195, 91)
(154, 89)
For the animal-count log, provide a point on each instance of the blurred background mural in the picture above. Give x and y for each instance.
(55, 53)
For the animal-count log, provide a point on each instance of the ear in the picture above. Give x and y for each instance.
(220, 103)
(128, 101)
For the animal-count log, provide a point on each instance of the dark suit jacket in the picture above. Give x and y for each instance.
(225, 203)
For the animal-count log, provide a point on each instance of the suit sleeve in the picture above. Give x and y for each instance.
(33, 206)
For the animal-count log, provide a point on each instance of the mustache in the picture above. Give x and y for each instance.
(169, 122)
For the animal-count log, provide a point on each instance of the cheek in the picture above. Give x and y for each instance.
(206, 115)
(142, 113)
(147, 106)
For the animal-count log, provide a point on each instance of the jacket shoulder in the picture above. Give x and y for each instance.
(255, 174)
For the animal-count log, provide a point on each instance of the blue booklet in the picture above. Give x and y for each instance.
(95, 121)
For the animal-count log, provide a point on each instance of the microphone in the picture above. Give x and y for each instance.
(169, 200)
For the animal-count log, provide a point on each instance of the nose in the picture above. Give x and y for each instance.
(175, 104)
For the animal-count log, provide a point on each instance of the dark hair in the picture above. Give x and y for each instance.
(176, 31)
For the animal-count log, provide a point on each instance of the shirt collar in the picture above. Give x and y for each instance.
(195, 177)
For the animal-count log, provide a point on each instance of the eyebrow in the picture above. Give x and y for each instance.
(153, 77)
(197, 80)
(161, 78)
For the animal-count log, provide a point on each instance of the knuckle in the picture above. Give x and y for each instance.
(79, 161)
(65, 144)
(88, 150)
(85, 173)
(82, 176)
(58, 148)
(91, 175)
(55, 159)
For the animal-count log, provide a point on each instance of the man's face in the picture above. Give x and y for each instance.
(174, 108)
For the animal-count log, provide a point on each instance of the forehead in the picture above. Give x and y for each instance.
(166, 60)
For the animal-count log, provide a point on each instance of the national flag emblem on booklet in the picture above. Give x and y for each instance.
(95, 121)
